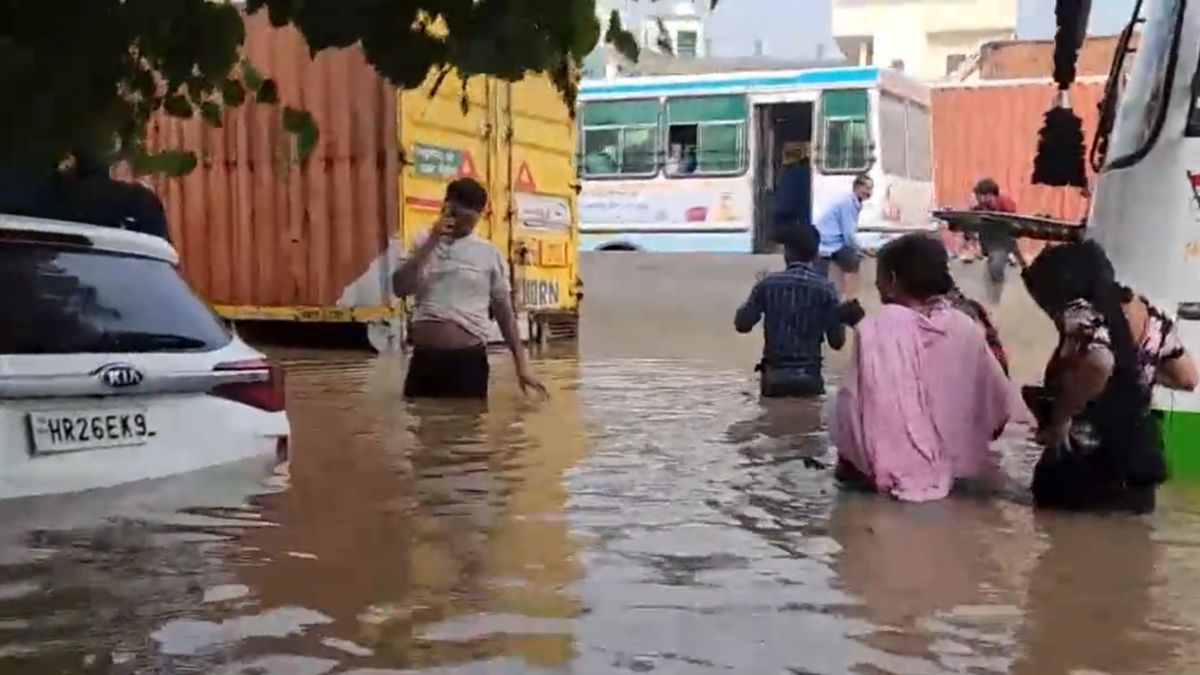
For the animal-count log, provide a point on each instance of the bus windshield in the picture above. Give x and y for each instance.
(1144, 100)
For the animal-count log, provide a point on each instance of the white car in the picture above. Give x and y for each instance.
(112, 370)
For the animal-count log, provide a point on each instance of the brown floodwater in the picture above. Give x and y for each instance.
(654, 516)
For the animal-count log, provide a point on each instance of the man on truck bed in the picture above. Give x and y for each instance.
(996, 245)
(459, 281)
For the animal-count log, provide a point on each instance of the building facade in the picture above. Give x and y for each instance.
(929, 39)
(681, 26)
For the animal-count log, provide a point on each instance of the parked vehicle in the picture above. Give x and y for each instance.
(691, 162)
(112, 370)
(265, 237)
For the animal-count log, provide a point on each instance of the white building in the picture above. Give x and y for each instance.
(684, 26)
(927, 38)
(684, 31)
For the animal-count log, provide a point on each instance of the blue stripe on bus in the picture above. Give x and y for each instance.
(671, 242)
(807, 77)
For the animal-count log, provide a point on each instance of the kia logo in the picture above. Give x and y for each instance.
(117, 375)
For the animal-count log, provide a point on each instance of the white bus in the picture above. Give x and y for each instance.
(690, 162)
(1146, 206)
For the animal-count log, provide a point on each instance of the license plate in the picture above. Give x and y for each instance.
(73, 430)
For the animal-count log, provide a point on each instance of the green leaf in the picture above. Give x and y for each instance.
(614, 27)
(233, 93)
(300, 123)
(252, 76)
(621, 39)
(132, 59)
(268, 93)
(177, 105)
(664, 39)
(210, 111)
(172, 163)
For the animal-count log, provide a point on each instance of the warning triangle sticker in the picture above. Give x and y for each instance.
(466, 168)
(525, 179)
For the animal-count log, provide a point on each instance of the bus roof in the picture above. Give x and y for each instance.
(740, 82)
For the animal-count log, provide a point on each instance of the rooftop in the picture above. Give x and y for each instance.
(651, 63)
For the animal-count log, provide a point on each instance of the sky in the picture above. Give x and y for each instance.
(794, 28)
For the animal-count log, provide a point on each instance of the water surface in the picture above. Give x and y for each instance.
(653, 517)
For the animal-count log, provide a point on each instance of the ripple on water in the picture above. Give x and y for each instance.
(653, 516)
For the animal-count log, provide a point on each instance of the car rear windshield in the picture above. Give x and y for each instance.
(57, 299)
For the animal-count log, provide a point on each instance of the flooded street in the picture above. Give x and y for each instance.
(653, 517)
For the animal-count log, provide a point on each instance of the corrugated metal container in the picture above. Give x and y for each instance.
(261, 236)
(991, 129)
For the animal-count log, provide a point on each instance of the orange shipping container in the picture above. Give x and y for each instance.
(256, 229)
(990, 128)
(264, 237)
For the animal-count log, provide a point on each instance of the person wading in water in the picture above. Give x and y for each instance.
(1093, 410)
(800, 311)
(839, 252)
(459, 281)
(923, 396)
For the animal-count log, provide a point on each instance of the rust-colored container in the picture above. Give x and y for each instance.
(265, 237)
(261, 236)
(990, 128)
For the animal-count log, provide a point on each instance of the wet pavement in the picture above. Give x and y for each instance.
(653, 517)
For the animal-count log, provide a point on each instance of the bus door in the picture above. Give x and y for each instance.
(782, 168)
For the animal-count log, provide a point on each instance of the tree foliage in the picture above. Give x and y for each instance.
(90, 74)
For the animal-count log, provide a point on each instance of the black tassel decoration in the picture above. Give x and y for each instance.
(1060, 154)
(1070, 17)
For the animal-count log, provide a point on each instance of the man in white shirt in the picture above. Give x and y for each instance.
(459, 282)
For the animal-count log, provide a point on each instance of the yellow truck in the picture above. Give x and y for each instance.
(266, 238)
(518, 140)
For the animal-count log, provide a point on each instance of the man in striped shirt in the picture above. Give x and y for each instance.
(800, 312)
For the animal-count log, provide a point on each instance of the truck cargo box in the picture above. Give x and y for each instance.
(265, 237)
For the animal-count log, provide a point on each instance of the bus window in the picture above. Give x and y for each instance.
(706, 135)
(1143, 105)
(845, 135)
(619, 138)
(920, 142)
(893, 134)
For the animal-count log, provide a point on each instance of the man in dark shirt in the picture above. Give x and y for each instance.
(800, 311)
(793, 195)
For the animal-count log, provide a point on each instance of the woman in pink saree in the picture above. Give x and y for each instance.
(923, 397)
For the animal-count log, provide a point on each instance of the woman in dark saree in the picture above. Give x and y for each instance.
(1100, 448)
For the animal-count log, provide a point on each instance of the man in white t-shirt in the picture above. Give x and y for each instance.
(459, 282)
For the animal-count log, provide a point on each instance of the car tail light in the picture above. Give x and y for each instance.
(267, 394)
